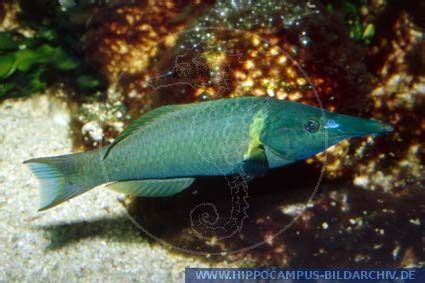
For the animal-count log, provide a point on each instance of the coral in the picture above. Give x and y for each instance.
(394, 162)
(135, 36)
(137, 48)
(124, 40)
(99, 123)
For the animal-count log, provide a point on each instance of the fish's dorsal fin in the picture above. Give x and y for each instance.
(152, 187)
(144, 120)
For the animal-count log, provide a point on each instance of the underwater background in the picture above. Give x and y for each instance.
(74, 74)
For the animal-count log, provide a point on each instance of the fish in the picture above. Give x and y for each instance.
(162, 153)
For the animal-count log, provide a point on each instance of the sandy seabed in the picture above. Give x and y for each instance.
(88, 238)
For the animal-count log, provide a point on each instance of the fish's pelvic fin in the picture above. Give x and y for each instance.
(257, 164)
(144, 120)
(152, 187)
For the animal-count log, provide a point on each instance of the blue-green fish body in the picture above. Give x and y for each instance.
(162, 152)
(200, 139)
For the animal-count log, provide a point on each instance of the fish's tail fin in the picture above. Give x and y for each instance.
(62, 178)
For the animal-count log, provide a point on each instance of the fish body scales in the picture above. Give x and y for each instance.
(194, 140)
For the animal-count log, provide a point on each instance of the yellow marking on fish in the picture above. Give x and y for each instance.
(255, 129)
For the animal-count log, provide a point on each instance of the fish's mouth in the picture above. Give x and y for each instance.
(344, 126)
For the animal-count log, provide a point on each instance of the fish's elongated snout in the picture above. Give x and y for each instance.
(348, 126)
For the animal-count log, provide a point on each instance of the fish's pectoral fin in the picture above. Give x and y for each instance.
(284, 153)
(256, 164)
(152, 187)
(280, 144)
(145, 119)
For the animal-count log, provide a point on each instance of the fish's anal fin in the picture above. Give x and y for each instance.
(257, 164)
(152, 187)
(145, 119)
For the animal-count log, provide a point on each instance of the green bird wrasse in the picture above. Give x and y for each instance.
(161, 153)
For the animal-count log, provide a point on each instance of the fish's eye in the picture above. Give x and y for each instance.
(311, 126)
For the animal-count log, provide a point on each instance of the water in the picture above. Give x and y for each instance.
(124, 58)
